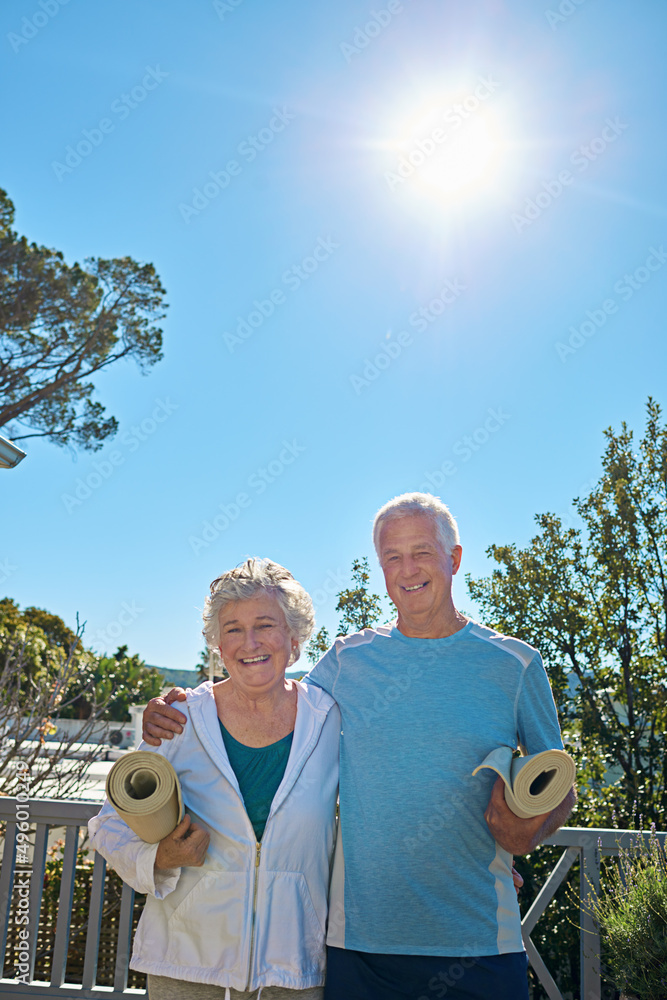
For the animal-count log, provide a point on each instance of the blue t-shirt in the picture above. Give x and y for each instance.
(422, 874)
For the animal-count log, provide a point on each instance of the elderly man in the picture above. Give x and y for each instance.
(422, 903)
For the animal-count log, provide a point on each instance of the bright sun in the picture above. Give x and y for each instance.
(469, 156)
(450, 151)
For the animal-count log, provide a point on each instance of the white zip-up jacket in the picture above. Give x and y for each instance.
(255, 914)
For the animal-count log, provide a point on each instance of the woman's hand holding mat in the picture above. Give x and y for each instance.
(534, 785)
(145, 791)
(185, 846)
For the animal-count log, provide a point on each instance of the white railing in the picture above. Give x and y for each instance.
(22, 881)
(587, 846)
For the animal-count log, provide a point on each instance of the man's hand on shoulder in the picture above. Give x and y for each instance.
(521, 836)
(160, 721)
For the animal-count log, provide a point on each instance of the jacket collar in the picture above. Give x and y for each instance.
(313, 706)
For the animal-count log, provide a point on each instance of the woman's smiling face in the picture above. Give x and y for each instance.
(255, 643)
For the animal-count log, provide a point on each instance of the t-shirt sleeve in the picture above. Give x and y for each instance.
(325, 672)
(537, 719)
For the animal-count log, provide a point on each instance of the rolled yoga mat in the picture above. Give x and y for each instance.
(534, 784)
(145, 791)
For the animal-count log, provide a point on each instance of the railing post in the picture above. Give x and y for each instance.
(36, 890)
(59, 961)
(124, 945)
(94, 923)
(590, 933)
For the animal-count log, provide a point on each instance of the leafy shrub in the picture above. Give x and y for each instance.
(631, 910)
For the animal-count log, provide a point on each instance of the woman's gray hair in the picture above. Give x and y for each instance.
(253, 577)
(419, 503)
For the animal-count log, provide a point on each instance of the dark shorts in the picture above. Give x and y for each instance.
(359, 975)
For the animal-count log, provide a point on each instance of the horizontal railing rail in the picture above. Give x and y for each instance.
(22, 885)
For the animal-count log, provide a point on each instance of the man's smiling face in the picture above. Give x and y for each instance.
(417, 571)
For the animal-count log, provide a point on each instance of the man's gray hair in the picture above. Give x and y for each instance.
(419, 503)
(252, 578)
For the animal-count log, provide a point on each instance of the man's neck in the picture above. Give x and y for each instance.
(432, 628)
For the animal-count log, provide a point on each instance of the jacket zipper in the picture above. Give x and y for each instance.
(258, 851)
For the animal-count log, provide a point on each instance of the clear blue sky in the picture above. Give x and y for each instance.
(497, 165)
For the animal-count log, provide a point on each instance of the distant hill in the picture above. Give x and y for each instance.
(190, 678)
(178, 678)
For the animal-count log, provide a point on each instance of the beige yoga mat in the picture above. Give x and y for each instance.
(534, 784)
(145, 791)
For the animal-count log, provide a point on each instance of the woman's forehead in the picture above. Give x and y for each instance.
(250, 609)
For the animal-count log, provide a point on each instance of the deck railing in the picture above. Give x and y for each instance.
(587, 846)
(21, 888)
(22, 882)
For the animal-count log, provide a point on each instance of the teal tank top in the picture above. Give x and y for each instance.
(259, 771)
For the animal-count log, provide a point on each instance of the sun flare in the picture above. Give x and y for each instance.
(450, 151)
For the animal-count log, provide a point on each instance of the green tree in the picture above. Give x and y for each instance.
(594, 601)
(60, 324)
(46, 675)
(104, 686)
(318, 645)
(220, 671)
(115, 682)
(43, 642)
(35, 673)
(359, 610)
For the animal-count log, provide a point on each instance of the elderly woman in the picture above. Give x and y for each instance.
(237, 894)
